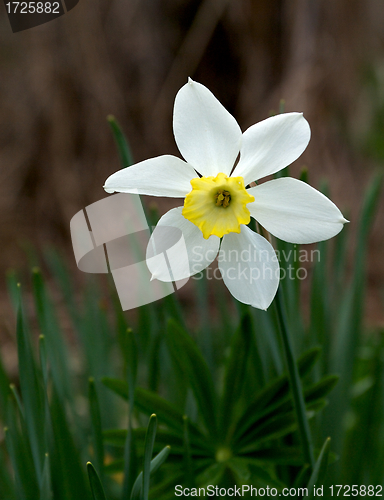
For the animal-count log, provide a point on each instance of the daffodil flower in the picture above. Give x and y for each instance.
(218, 202)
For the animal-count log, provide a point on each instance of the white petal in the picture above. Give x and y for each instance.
(187, 251)
(271, 145)
(206, 134)
(295, 212)
(161, 176)
(249, 266)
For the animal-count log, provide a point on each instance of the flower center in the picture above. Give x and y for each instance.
(217, 205)
(223, 198)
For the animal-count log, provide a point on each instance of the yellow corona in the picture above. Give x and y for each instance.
(217, 205)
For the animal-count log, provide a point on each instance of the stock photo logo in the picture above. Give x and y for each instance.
(25, 15)
(112, 235)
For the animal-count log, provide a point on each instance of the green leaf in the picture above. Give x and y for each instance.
(71, 477)
(348, 334)
(19, 450)
(96, 424)
(56, 350)
(321, 388)
(312, 394)
(211, 474)
(149, 402)
(32, 394)
(273, 395)
(7, 482)
(274, 427)
(13, 289)
(62, 277)
(235, 370)
(45, 488)
(275, 455)
(95, 483)
(187, 455)
(264, 476)
(128, 341)
(188, 357)
(117, 437)
(4, 391)
(121, 142)
(320, 469)
(154, 466)
(148, 450)
(163, 488)
(119, 387)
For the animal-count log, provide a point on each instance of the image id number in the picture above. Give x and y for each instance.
(33, 7)
(339, 490)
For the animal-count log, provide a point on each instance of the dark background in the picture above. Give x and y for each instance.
(60, 80)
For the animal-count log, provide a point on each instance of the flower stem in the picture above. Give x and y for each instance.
(295, 382)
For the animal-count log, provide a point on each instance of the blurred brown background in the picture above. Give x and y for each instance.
(60, 80)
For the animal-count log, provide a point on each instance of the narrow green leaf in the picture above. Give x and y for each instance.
(156, 463)
(189, 472)
(148, 450)
(121, 142)
(17, 399)
(71, 477)
(117, 437)
(45, 488)
(188, 357)
(320, 469)
(313, 395)
(62, 277)
(149, 402)
(274, 393)
(255, 473)
(13, 289)
(273, 428)
(4, 391)
(7, 482)
(19, 450)
(128, 340)
(95, 483)
(294, 380)
(32, 394)
(55, 348)
(275, 455)
(321, 388)
(96, 424)
(163, 488)
(348, 334)
(235, 370)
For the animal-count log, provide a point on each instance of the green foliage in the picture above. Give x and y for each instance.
(216, 381)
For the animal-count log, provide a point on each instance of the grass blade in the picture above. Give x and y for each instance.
(320, 469)
(121, 142)
(32, 394)
(95, 483)
(295, 382)
(156, 463)
(45, 489)
(131, 356)
(149, 442)
(188, 357)
(235, 370)
(96, 424)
